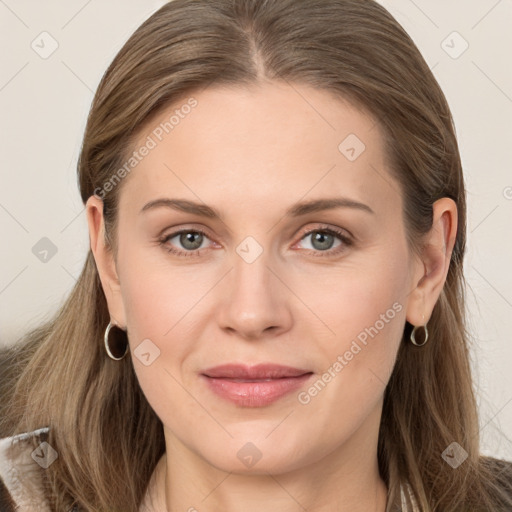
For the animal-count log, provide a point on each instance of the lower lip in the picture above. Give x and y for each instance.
(255, 394)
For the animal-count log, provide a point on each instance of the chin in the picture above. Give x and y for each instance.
(255, 458)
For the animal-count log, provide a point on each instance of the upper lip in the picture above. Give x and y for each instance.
(259, 371)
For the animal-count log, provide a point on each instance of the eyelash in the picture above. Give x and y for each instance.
(346, 242)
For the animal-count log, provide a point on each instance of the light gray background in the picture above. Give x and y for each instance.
(45, 101)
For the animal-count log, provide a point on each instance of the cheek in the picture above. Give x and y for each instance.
(367, 314)
(163, 305)
(158, 297)
(157, 305)
(362, 310)
(354, 296)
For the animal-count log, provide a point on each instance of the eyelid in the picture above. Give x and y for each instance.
(326, 227)
(174, 230)
(346, 237)
(163, 239)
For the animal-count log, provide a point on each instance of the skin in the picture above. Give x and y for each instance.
(251, 154)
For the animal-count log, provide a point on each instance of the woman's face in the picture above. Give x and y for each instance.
(271, 280)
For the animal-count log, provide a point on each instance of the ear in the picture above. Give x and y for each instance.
(430, 273)
(105, 263)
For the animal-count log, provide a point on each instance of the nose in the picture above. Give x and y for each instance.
(255, 301)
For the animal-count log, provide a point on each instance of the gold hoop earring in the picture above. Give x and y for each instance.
(120, 342)
(413, 334)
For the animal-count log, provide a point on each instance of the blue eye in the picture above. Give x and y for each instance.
(322, 243)
(323, 239)
(190, 239)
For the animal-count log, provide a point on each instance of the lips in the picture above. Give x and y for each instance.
(254, 386)
(254, 373)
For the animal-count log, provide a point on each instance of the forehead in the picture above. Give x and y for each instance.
(263, 146)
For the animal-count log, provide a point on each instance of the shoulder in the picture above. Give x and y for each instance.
(23, 458)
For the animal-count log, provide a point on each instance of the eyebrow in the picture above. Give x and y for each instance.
(295, 210)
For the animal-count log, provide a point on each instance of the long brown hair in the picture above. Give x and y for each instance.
(107, 436)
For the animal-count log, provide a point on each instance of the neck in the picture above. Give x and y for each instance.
(186, 482)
